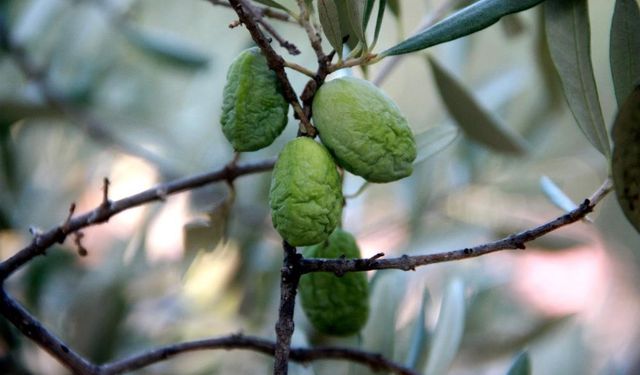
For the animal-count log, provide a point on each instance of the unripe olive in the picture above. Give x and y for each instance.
(306, 195)
(335, 305)
(254, 112)
(364, 130)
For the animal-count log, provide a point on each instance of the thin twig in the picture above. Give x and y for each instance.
(299, 69)
(314, 36)
(102, 213)
(290, 276)
(406, 263)
(15, 313)
(33, 329)
(262, 11)
(275, 61)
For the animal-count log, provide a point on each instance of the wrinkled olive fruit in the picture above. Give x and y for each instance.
(335, 305)
(305, 195)
(625, 164)
(364, 130)
(254, 112)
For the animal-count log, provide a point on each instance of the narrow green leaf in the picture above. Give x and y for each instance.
(468, 20)
(624, 47)
(368, 8)
(625, 165)
(381, 7)
(556, 195)
(272, 3)
(345, 24)
(521, 365)
(568, 33)
(474, 120)
(330, 21)
(166, 48)
(355, 11)
(449, 329)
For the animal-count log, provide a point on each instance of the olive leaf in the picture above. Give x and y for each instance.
(433, 141)
(166, 48)
(330, 21)
(272, 3)
(568, 36)
(521, 365)
(468, 20)
(624, 53)
(447, 334)
(356, 12)
(381, 7)
(475, 121)
(418, 349)
(556, 195)
(394, 7)
(625, 164)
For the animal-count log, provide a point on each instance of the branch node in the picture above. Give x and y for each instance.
(162, 193)
(372, 260)
(408, 264)
(467, 251)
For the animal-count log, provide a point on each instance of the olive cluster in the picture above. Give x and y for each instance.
(361, 130)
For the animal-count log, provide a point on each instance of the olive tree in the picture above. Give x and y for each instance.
(339, 154)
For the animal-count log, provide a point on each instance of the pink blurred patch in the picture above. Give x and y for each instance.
(564, 282)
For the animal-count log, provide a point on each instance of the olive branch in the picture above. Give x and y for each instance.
(294, 265)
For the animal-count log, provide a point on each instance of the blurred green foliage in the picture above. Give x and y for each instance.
(207, 263)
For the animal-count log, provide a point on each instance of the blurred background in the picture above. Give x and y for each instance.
(138, 86)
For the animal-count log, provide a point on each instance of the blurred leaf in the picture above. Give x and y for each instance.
(568, 36)
(556, 195)
(477, 123)
(448, 332)
(381, 7)
(205, 234)
(199, 235)
(625, 165)
(418, 349)
(330, 21)
(167, 48)
(97, 316)
(379, 333)
(521, 365)
(272, 3)
(16, 110)
(513, 25)
(368, 9)
(554, 94)
(355, 11)
(39, 274)
(624, 47)
(434, 140)
(394, 7)
(468, 20)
